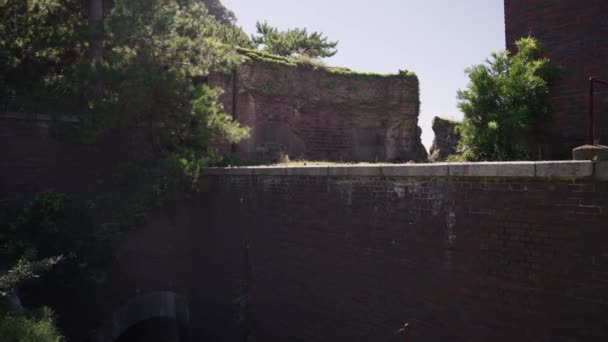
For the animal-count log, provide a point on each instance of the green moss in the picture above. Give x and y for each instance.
(261, 56)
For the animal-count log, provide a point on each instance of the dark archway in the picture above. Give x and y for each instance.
(155, 330)
(164, 315)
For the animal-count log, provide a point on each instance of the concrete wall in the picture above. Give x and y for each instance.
(573, 34)
(310, 112)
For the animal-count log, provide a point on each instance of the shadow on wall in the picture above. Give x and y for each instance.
(157, 316)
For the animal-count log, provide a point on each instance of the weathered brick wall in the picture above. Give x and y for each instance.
(314, 113)
(573, 34)
(351, 258)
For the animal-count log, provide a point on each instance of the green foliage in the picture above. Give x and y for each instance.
(48, 230)
(38, 40)
(23, 271)
(504, 101)
(293, 42)
(305, 61)
(156, 55)
(217, 10)
(35, 326)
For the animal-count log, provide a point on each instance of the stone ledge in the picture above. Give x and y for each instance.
(38, 117)
(549, 169)
(492, 169)
(416, 170)
(564, 169)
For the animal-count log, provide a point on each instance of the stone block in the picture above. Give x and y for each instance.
(307, 171)
(355, 170)
(270, 171)
(492, 169)
(238, 171)
(416, 170)
(564, 169)
(590, 152)
(601, 170)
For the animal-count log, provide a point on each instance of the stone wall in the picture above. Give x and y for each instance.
(321, 114)
(573, 35)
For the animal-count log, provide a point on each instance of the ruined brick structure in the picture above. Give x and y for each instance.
(574, 35)
(446, 139)
(316, 113)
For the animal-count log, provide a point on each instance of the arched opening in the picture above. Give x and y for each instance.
(158, 329)
(151, 317)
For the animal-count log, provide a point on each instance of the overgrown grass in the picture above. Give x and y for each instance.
(261, 56)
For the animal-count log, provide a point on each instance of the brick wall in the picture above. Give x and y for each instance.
(462, 258)
(464, 252)
(573, 34)
(314, 113)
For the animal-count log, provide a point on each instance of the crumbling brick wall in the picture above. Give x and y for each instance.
(315, 113)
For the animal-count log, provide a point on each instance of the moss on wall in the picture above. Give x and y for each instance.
(261, 56)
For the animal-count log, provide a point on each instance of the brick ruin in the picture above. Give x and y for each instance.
(322, 113)
(573, 35)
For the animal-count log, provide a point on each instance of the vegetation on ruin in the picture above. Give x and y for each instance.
(304, 61)
(293, 42)
(503, 103)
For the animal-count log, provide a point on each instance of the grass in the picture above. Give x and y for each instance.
(261, 56)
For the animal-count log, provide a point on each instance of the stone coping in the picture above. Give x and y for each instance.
(38, 117)
(544, 169)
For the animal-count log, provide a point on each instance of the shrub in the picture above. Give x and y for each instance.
(503, 102)
(35, 326)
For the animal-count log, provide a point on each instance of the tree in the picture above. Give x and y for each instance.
(156, 57)
(39, 40)
(219, 11)
(293, 42)
(504, 101)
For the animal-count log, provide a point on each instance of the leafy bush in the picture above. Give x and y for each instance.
(504, 101)
(35, 326)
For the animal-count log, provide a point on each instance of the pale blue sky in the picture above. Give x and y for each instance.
(437, 39)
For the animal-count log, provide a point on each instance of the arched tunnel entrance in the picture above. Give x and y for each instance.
(151, 317)
(159, 329)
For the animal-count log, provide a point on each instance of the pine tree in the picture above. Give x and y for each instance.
(293, 42)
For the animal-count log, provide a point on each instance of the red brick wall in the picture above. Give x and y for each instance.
(312, 113)
(461, 259)
(574, 35)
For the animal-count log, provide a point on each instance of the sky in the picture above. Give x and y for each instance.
(437, 39)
